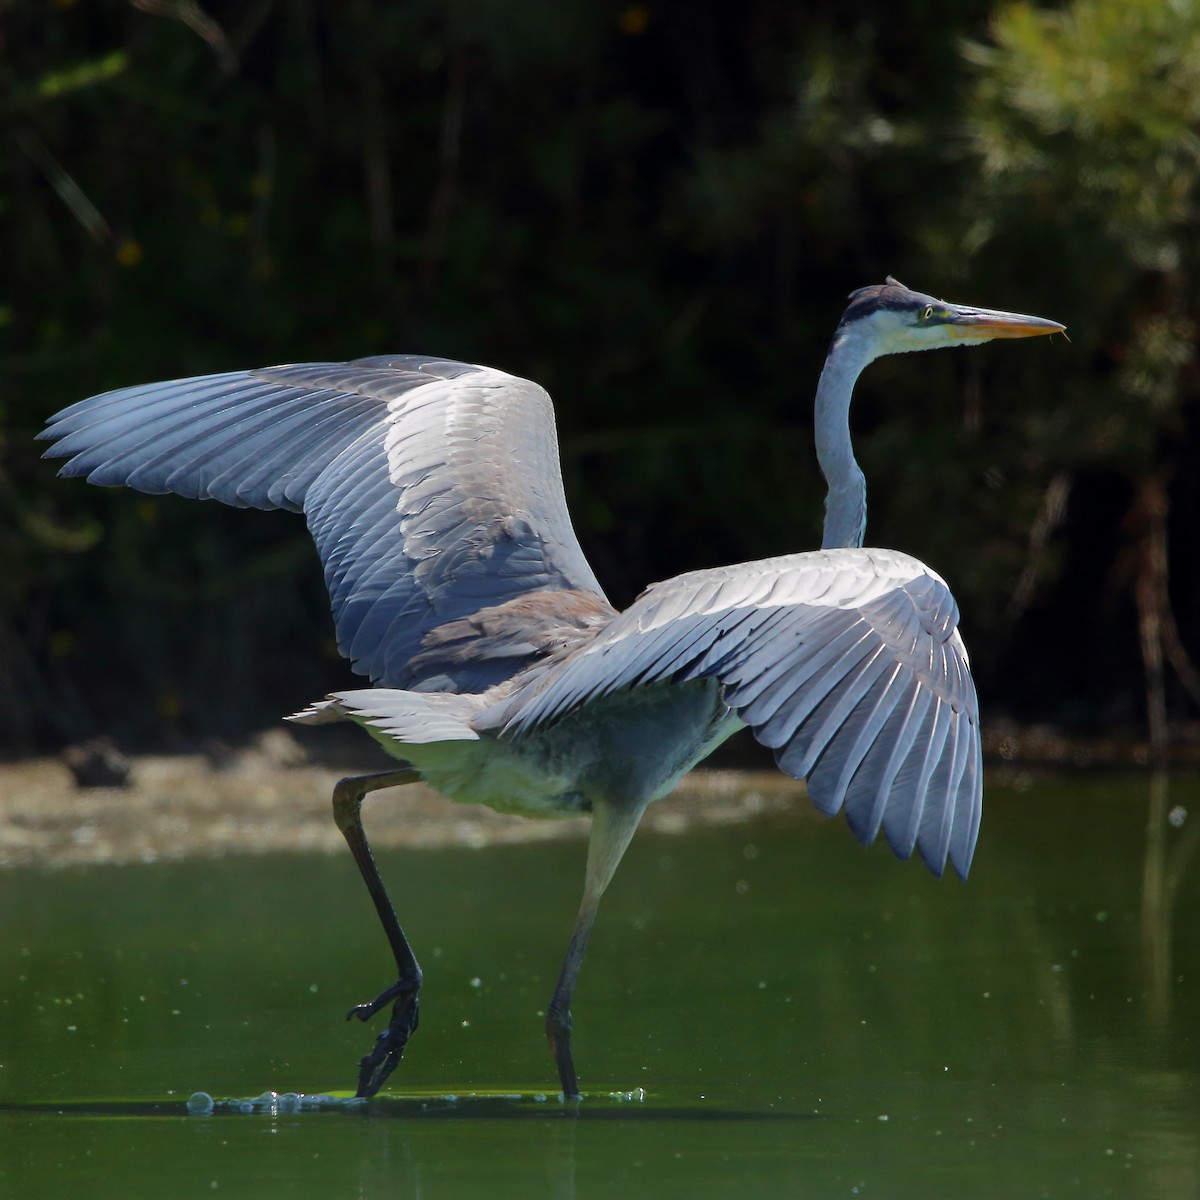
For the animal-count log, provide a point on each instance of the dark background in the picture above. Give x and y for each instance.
(656, 210)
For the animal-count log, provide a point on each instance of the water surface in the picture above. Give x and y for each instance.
(805, 1018)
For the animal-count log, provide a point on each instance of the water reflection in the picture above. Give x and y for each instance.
(1166, 862)
(804, 1017)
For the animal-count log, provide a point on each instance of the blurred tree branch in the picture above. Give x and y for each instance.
(199, 22)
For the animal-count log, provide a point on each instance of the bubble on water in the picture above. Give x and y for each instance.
(1177, 816)
(270, 1103)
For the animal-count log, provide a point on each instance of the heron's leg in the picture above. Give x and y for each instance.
(381, 1061)
(611, 830)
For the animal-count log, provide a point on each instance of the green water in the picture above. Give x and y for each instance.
(807, 1019)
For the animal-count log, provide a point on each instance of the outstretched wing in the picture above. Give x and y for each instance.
(847, 663)
(432, 488)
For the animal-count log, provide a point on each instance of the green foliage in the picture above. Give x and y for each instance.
(1105, 93)
(1085, 121)
(655, 211)
(1088, 117)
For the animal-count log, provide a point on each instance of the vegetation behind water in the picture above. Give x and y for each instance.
(656, 210)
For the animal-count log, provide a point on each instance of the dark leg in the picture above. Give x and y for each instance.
(558, 1014)
(611, 831)
(377, 1065)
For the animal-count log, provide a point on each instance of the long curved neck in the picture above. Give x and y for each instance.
(846, 500)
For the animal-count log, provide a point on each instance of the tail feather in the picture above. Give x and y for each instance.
(410, 717)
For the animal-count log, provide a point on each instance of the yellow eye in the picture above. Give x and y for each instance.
(927, 313)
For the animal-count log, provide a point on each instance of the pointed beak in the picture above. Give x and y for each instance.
(965, 322)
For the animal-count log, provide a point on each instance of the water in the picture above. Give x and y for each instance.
(805, 1018)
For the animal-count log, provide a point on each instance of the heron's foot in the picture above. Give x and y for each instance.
(558, 1034)
(375, 1066)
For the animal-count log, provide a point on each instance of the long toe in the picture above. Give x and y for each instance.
(383, 1058)
(375, 1067)
(364, 1012)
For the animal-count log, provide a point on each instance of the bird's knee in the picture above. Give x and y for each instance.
(348, 793)
(347, 802)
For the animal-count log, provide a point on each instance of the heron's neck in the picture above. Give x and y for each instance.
(846, 500)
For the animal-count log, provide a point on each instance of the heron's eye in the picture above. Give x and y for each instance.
(927, 312)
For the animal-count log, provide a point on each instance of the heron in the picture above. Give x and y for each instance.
(501, 674)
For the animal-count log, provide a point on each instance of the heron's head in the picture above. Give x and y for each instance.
(891, 319)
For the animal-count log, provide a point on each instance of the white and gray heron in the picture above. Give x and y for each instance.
(500, 673)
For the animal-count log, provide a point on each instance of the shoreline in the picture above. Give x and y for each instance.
(182, 805)
(273, 794)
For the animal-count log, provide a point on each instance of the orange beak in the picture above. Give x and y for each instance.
(990, 323)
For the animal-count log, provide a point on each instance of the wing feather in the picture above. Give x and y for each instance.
(817, 677)
(858, 736)
(846, 699)
(930, 758)
(847, 663)
(432, 488)
(938, 817)
(889, 785)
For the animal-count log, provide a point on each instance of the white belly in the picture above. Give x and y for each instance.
(628, 749)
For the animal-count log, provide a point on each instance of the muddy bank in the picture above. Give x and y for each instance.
(266, 798)
(274, 793)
